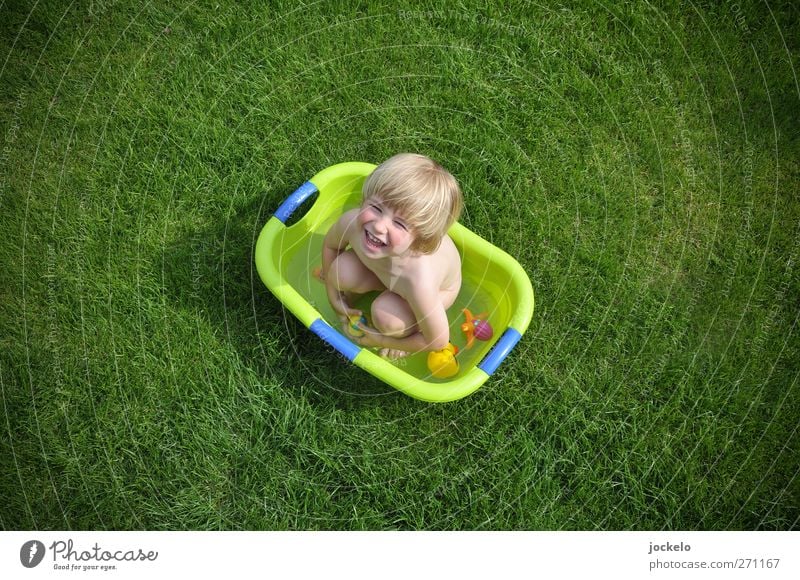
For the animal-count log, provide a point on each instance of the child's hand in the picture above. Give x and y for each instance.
(371, 339)
(339, 304)
(361, 332)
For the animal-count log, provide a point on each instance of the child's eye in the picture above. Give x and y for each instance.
(377, 208)
(401, 225)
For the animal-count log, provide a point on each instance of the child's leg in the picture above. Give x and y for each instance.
(392, 316)
(348, 275)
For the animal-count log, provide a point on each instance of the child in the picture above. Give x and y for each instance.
(397, 243)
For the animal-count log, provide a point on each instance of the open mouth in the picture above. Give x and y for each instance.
(372, 241)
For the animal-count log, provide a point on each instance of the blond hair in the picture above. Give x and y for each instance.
(420, 189)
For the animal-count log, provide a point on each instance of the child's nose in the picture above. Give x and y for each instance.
(382, 225)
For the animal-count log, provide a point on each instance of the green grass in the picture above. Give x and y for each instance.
(640, 163)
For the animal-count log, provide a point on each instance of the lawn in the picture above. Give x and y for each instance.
(642, 163)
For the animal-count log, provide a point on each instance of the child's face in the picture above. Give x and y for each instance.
(385, 233)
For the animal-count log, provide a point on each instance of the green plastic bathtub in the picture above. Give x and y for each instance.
(493, 282)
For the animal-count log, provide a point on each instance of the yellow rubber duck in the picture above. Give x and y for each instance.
(353, 329)
(443, 363)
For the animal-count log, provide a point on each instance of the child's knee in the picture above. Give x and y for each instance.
(342, 273)
(387, 324)
(348, 274)
(391, 318)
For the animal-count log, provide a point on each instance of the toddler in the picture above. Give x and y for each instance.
(396, 243)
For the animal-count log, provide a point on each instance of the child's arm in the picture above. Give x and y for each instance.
(336, 241)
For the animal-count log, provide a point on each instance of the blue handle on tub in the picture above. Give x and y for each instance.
(500, 351)
(335, 338)
(295, 200)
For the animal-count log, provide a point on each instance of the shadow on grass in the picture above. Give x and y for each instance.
(211, 271)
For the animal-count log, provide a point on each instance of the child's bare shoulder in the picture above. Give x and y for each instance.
(340, 233)
(448, 247)
(346, 222)
(441, 268)
(348, 218)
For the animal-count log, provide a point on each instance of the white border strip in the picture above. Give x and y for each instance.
(406, 555)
